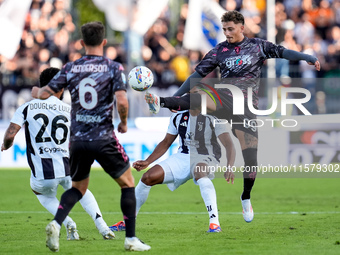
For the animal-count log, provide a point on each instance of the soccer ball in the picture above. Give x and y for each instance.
(140, 78)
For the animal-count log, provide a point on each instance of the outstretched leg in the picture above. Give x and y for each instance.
(155, 175)
(186, 102)
(90, 205)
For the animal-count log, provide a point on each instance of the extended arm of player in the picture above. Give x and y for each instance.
(231, 155)
(42, 93)
(122, 108)
(296, 56)
(10, 134)
(158, 152)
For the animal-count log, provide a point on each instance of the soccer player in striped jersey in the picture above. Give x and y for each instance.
(240, 60)
(94, 81)
(198, 155)
(47, 134)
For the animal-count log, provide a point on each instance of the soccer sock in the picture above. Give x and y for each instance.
(192, 100)
(68, 199)
(142, 193)
(128, 206)
(208, 194)
(51, 204)
(90, 205)
(250, 162)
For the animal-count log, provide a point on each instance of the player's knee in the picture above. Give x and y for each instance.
(250, 156)
(147, 179)
(153, 177)
(200, 171)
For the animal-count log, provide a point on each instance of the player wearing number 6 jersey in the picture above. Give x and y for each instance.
(47, 137)
(93, 81)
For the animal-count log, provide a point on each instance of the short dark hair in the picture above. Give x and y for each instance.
(233, 16)
(93, 33)
(47, 75)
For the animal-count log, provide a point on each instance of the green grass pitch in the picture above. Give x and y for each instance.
(292, 216)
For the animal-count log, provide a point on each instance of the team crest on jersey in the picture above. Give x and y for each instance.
(237, 49)
(200, 126)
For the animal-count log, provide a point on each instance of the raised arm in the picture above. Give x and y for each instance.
(158, 152)
(10, 134)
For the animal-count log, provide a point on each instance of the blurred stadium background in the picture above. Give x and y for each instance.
(170, 37)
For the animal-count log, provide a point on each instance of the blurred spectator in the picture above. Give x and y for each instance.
(322, 17)
(320, 98)
(304, 30)
(308, 25)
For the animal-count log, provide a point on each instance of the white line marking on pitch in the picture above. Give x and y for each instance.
(181, 213)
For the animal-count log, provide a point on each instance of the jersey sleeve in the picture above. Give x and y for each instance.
(220, 126)
(19, 116)
(59, 81)
(208, 63)
(172, 129)
(119, 78)
(271, 50)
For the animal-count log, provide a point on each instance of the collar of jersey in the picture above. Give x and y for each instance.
(239, 43)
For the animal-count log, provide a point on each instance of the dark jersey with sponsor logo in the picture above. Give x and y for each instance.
(92, 82)
(240, 63)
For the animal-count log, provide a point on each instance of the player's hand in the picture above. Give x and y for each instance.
(140, 165)
(229, 176)
(34, 92)
(122, 128)
(316, 64)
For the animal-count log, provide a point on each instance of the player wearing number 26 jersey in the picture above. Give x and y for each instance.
(46, 133)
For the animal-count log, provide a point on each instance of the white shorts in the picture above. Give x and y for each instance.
(176, 170)
(49, 187)
(179, 168)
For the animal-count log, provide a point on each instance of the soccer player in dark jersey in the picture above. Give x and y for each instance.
(93, 81)
(240, 60)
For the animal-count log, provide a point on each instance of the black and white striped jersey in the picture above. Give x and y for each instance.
(47, 124)
(197, 134)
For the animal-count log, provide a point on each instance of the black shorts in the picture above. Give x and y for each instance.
(245, 123)
(110, 154)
